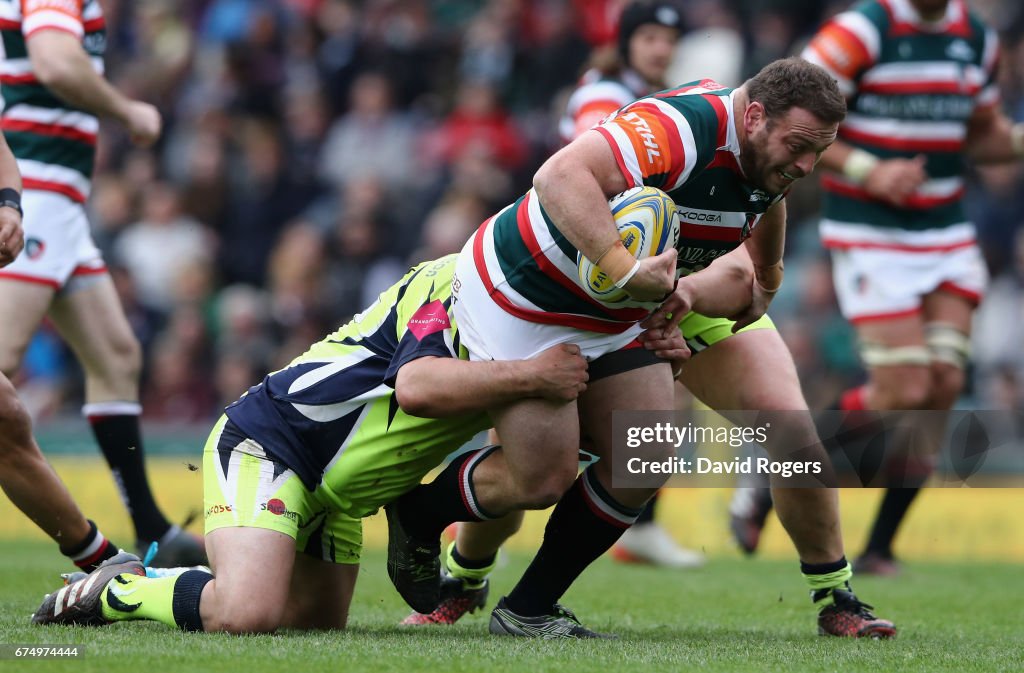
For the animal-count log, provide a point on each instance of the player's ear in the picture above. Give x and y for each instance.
(754, 116)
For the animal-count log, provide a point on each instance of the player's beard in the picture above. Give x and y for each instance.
(755, 169)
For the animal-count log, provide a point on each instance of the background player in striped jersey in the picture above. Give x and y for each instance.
(53, 91)
(726, 157)
(919, 76)
(295, 463)
(25, 476)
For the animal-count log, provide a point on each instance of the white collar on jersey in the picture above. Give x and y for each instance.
(732, 139)
(903, 10)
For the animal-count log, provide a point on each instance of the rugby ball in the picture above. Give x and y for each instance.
(648, 225)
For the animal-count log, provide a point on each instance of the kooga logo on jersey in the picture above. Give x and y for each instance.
(696, 216)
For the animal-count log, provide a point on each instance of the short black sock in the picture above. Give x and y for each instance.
(472, 564)
(823, 568)
(188, 589)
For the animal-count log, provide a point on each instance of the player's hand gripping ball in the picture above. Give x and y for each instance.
(648, 225)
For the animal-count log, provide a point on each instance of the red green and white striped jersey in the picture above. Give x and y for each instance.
(682, 141)
(55, 144)
(912, 86)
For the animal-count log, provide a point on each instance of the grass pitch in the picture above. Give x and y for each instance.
(733, 615)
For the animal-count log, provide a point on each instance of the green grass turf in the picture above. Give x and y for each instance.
(734, 615)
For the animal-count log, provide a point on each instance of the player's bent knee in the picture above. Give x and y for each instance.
(127, 361)
(243, 618)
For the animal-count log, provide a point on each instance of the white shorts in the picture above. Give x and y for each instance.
(58, 244)
(489, 333)
(875, 284)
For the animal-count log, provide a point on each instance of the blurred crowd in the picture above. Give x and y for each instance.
(315, 149)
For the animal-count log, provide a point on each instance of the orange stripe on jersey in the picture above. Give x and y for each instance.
(651, 134)
(841, 50)
(591, 113)
(72, 8)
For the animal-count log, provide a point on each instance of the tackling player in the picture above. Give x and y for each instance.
(292, 466)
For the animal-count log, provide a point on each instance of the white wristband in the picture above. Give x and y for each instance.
(1017, 139)
(858, 165)
(621, 283)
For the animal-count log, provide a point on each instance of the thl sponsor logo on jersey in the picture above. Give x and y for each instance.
(757, 195)
(428, 319)
(644, 131)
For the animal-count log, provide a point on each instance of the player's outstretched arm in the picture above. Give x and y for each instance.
(63, 66)
(725, 289)
(434, 387)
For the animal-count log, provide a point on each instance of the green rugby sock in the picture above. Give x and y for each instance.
(170, 600)
(129, 596)
(471, 573)
(824, 577)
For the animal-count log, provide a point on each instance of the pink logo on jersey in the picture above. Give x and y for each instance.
(429, 319)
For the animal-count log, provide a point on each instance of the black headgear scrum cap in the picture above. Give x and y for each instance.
(637, 14)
